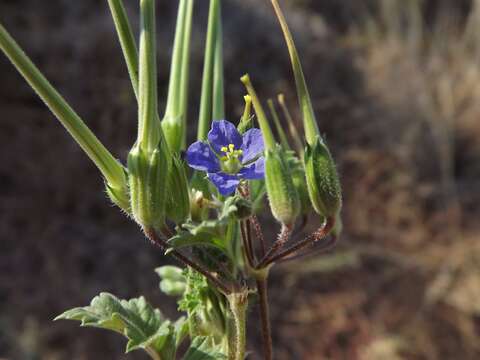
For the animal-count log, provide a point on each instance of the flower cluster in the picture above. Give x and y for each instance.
(228, 157)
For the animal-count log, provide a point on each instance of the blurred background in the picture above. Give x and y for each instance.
(396, 87)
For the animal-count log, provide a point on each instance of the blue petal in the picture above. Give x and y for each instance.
(201, 157)
(255, 171)
(252, 144)
(224, 133)
(225, 183)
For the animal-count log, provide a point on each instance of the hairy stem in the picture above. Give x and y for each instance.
(238, 306)
(247, 246)
(162, 244)
(327, 245)
(265, 317)
(259, 234)
(278, 245)
(316, 236)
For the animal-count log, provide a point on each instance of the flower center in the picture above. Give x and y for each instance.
(230, 161)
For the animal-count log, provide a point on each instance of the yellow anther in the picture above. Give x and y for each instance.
(224, 149)
(231, 147)
(240, 152)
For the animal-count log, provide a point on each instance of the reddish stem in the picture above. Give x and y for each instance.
(162, 244)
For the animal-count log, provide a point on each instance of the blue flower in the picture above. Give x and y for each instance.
(228, 157)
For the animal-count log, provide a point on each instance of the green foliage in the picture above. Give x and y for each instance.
(176, 212)
(282, 194)
(173, 281)
(144, 327)
(198, 291)
(203, 348)
(205, 307)
(211, 232)
(322, 179)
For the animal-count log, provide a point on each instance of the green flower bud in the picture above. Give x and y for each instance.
(159, 168)
(119, 197)
(322, 179)
(173, 288)
(138, 170)
(283, 197)
(148, 182)
(178, 201)
(173, 130)
(244, 209)
(199, 205)
(172, 273)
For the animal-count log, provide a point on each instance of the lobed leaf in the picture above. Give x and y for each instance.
(202, 348)
(144, 327)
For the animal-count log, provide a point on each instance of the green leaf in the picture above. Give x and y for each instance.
(144, 327)
(210, 232)
(203, 348)
(186, 239)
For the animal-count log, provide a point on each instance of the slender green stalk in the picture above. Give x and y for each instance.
(262, 118)
(186, 70)
(173, 99)
(127, 40)
(205, 115)
(218, 106)
(174, 121)
(149, 127)
(111, 169)
(310, 123)
(299, 145)
(129, 48)
(278, 125)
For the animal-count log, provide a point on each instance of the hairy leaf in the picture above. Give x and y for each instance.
(144, 327)
(203, 348)
(210, 232)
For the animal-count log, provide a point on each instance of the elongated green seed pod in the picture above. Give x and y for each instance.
(169, 272)
(178, 200)
(322, 179)
(148, 175)
(137, 165)
(119, 197)
(282, 195)
(157, 185)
